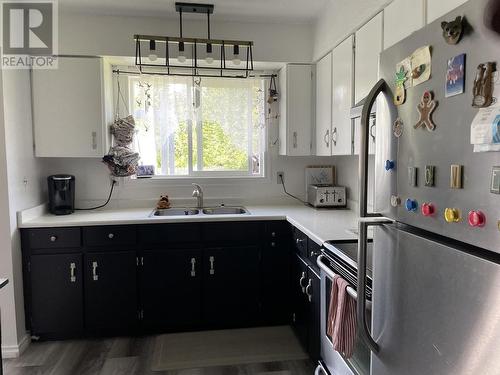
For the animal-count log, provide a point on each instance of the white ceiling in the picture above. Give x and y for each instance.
(296, 11)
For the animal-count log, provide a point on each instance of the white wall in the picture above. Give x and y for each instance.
(25, 183)
(113, 36)
(341, 18)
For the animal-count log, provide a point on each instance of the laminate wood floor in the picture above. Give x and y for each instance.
(124, 356)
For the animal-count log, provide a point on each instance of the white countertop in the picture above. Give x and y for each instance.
(3, 282)
(318, 224)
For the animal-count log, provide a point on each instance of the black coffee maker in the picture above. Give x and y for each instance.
(61, 194)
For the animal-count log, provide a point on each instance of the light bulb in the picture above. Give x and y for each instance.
(236, 52)
(152, 48)
(236, 61)
(152, 57)
(181, 58)
(209, 60)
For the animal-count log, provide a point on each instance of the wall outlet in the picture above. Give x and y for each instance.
(115, 179)
(280, 177)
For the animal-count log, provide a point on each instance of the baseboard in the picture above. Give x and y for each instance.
(14, 351)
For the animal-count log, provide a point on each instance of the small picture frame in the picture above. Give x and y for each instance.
(455, 76)
(145, 171)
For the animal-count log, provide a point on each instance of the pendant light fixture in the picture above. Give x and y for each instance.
(196, 57)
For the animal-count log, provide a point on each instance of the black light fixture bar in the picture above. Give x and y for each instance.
(217, 42)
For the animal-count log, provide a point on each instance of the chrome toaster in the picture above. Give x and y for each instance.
(321, 195)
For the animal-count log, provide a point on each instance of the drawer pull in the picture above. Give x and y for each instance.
(212, 262)
(72, 268)
(53, 238)
(273, 244)
(308, 288)
(299, 241)
(193, 267)
(111, 236)
(273, 234)
(301, 280)
(95, 276)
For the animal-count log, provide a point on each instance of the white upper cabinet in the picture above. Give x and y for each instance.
(295, 127)
(401, 18)
(368, 48)
(438, 8)
(68, 109)
(342, 99)
(324, 106)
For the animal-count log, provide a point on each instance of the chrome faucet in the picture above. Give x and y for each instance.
(198, 194)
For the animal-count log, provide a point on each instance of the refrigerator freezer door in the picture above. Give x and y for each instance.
(449, 174)
(436, 309)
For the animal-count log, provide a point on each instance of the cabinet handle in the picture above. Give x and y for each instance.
(193, 267)
(301, 280)
(326, 138)
(95, 276)
(273, 244)
(111, 236)
(334, 136)
(294, 139)
(371, 131)
(72, 268)
(308, 288)
(212, 262)
(273, 234)
(53, 238)
(298, 241)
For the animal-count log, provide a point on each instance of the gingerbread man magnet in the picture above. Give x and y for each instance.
(426, 106)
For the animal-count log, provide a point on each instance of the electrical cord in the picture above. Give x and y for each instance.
(102, 205)
(291, 195)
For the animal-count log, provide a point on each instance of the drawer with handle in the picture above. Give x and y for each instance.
(300, 242)
(110, 235)
(54, 238)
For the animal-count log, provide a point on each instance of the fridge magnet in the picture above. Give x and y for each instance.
(421, 65)
(482, 90)
(400, 91)
(425, 108)
(492, 16)
(455, 76)
(406, 65)
(397, 128)
(452, 31)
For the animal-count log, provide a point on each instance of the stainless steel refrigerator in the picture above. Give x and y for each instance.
(436, 283)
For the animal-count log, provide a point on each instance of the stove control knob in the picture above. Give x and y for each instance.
(411, 204)
(428, 209)
(452, 215)
(476, 219)
(389, 164)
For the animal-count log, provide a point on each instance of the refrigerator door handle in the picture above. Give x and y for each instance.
(361, 302)
(379, 87)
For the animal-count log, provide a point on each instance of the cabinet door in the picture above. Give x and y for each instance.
(111, 292)
(300, 309)
(342, 98)
(296, 104)
(438, 8)
(324, 105)
(171, 289)
(56, 295)
(368, 48)
(397, 26)
(314, 319)
(68, 109)
(231, 287)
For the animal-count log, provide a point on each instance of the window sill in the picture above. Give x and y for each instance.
(187, 180)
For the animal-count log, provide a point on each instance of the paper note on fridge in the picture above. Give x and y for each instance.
(485, 128)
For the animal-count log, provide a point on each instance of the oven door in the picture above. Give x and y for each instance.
(333, 361)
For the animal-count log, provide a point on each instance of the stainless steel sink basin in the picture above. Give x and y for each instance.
(178, 211)
(225, 211)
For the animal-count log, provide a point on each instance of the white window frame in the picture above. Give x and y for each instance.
(216, 175)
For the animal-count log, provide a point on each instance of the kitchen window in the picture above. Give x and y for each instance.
(204, 127)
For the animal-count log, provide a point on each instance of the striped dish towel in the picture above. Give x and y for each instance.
(342, 318)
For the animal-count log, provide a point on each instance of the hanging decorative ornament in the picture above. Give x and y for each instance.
(273, 92)
(397, 128)
(425, 108)
(452, 31)
(482, 90)
(400, 92)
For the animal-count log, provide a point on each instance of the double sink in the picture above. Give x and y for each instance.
(189, 211)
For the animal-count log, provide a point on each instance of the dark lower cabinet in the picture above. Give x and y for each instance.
(56, 303)
(171, 289)
(110, 292)
(314, 329)
(300, 305)
(231, 287)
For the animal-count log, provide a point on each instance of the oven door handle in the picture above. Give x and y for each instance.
(361, 305)
(350, 290)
